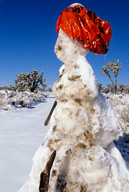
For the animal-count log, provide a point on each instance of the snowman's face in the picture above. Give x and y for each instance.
(67, 49)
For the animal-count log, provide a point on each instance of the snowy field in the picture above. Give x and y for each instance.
(22, 131)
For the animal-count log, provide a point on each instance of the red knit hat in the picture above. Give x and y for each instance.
(82, 24)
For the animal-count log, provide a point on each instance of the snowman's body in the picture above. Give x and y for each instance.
(82, 129)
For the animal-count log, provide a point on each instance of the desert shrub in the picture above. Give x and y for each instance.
(124, 118)
(108, 89)
(49, 89)
(100, 87)
(10, 87)
(121, 88)
(127, 89)
(29, 81)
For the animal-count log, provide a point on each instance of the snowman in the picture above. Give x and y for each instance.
(78, 153)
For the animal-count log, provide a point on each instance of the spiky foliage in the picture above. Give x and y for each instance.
(127, 90)
(121, 88)
(114, 68)
(100, 87)
(108, 89)
(10, 87)
(29, 81)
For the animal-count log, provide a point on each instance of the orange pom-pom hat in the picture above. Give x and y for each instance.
(84, 25)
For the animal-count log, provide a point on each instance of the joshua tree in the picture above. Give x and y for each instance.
(29, 81)
(114, 67)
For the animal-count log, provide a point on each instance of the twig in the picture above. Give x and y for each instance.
(49, 116)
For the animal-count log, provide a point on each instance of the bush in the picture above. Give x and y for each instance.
(29, 81)
(100, 87)
(121, 88)
(10, 87)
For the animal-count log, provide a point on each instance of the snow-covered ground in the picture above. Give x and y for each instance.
(14, 99)
(21, 133)
(120, 104)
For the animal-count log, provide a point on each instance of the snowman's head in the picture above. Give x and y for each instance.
(68, 49)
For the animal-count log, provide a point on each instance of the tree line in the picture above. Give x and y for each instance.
(33, 80)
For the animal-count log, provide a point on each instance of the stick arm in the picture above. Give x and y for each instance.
(50, 114)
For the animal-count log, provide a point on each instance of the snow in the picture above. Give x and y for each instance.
(123, 145)
(75, 4)
(87, 75)
(83, 127)
(120, 104)
(14, 99)
(22, 131)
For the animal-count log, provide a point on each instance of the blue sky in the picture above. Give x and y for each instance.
(28, 35)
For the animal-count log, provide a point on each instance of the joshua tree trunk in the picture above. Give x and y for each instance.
(115, 85)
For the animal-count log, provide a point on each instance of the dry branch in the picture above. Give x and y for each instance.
(44, 176)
